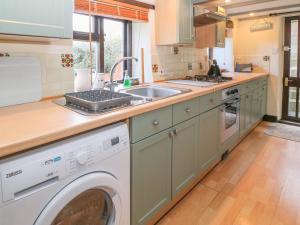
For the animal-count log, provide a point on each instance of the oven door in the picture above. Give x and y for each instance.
(230, 118)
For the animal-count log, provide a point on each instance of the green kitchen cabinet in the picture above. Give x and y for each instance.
(243, 112)
(44, 18)
(151, 176)
(256, 105)
(248, 110)
(184, 157)
(174, 22)
(186, 25)
(209, 138)
(264, 96)
(149, 123)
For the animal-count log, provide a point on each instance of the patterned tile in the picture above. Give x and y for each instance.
(154, 68)
(4, 54)
(67, 60)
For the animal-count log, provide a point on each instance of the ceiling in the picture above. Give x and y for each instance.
(241, 8)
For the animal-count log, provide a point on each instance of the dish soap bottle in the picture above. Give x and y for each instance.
(127, 80)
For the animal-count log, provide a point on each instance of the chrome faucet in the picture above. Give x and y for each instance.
(111, 85)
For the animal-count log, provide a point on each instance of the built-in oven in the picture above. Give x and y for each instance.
(230, 113)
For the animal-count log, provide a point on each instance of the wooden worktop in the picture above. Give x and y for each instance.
(27, 126)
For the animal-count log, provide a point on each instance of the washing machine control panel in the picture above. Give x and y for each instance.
(97, 150)
(25, 175)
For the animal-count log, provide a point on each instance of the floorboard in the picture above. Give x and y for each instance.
(258, 184)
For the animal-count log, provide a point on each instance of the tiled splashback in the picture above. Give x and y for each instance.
(261, 63)
(56, 62)
(177, 62)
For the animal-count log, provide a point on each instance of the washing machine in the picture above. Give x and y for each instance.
(83, 180)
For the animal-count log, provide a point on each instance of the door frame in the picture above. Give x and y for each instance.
(294, 82)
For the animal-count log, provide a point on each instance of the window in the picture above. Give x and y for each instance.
(111, 40)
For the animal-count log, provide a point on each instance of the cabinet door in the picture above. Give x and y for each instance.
(256, 103)
(209, 139)
(186, 28)
(264, 100)
(151, 176)
(220, 36)
(248, 111)
(46, 18)
(243, 129)
(184, 155)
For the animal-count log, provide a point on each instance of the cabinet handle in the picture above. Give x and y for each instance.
(175, 132)
(187, 110)
(211, 100)
(155, 122)
(171, 134)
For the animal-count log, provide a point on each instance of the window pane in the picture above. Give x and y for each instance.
(81, 23)
(294, 48)
(113, 47)
(81, 50)
(292, 101)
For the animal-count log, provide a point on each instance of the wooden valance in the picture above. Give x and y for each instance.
(113, 8)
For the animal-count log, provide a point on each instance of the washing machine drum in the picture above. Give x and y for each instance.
(93, 199)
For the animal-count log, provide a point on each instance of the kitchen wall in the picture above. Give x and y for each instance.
(164, 62)
(252, 46)
(56, 62)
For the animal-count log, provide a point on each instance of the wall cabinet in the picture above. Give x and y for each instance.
(150, 176)
(210, 36)
(174, 22)
(46, 18)
(209, 138)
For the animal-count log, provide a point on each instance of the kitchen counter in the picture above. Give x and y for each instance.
(27, 126)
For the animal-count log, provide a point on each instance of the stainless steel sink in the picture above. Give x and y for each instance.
(155, 92)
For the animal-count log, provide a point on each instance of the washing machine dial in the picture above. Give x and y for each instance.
(82, 158)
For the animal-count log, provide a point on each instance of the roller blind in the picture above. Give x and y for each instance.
(112, 8)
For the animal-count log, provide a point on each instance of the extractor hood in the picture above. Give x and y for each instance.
(204, 16)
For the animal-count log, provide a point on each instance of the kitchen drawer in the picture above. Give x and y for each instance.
(150, 123)
(185, 110)
(209, 101)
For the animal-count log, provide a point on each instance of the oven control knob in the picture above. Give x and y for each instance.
(232, 92)
(227, 92)
(82, 158)
(236, 91)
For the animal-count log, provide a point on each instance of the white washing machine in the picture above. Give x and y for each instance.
(84, 180)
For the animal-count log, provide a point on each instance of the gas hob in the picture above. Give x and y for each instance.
(201, 80)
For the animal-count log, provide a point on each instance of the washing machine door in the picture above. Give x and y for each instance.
(94, 198)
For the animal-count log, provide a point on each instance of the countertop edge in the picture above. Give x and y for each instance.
(110, 118)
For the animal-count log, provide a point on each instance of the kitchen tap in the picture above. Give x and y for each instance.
(111, 84)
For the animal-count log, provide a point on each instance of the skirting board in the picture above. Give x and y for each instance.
(270, 118)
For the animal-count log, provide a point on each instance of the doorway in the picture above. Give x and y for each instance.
(291, 76)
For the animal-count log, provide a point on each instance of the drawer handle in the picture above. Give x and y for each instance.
(171, 134)
(155, 122)
(175, 132)
(187, 110)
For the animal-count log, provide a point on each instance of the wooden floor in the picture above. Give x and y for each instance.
(258, 184)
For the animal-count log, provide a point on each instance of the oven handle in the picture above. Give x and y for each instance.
(235, 101)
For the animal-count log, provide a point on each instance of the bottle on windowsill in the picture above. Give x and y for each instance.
(127, 80)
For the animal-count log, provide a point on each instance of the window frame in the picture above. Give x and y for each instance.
(98, 36)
